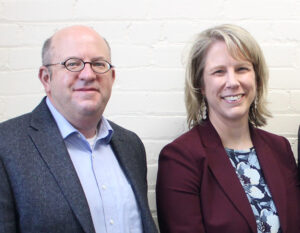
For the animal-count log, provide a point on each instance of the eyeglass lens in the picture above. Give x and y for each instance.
(75, 64)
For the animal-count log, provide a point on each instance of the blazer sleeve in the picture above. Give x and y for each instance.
(292, 189)
(291, 173)
(288, 163)
(7, 208)
(142, 154)
(178, 190)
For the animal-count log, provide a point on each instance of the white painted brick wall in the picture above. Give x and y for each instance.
(149, 39)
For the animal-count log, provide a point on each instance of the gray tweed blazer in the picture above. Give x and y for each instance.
(39, 187)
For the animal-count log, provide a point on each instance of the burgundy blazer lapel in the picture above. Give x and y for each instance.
(272, 174)
(224, 173)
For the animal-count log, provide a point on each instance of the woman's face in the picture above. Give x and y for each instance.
(229, 85)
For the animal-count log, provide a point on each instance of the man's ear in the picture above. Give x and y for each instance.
(113, 74)
(45, 78)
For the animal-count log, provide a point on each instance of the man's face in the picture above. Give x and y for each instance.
(82, 94)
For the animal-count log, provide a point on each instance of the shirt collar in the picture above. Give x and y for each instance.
(104, 131)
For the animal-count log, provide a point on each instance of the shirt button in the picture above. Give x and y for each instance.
(103, 187)
(111, 222)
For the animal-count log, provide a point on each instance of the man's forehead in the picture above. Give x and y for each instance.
(79, 38)
(77, 33)
(76, 29)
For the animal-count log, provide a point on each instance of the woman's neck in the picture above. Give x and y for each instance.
(233, 134)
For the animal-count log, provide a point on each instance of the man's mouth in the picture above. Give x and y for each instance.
(86, 89)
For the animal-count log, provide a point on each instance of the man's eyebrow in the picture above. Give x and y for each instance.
(92, 59)
(99, 58)
(70, 57)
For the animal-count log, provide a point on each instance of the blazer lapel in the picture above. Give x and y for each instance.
(272, 175)
(133, 170)
(124, 153)
(46, 137)
(224, 173)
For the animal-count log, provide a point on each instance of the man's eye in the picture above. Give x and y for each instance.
(99, 64)
(73, 64)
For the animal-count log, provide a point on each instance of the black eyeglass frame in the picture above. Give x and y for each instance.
(110, 66)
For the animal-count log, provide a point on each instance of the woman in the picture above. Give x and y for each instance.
(225, 175)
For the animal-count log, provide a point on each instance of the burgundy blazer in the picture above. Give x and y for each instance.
(198, 190)
(299, 150)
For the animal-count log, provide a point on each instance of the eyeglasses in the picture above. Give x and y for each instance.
(76, 65)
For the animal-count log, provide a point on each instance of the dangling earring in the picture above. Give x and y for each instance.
(255, 105)
(203, 110)
(253, 112)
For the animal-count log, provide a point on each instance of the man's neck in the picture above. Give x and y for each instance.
(87, 130)
(85, 124)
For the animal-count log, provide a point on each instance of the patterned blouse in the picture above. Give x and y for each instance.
(251, 177)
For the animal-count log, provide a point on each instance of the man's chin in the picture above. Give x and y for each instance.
(90, 108)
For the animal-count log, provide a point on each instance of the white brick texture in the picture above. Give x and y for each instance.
(149, 40)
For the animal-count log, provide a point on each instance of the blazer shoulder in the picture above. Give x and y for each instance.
(12, 134)
(190, 138)
(15, 125)
(19, 124)
(278, 145)
(269, 137)
(124, 133)
(187, 147)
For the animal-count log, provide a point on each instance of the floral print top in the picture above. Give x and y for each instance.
(251, 177)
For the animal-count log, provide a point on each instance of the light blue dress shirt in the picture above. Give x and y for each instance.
(109, 195)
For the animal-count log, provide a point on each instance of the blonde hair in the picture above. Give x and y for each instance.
(240, 45)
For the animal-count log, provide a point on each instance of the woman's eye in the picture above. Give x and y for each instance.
(240, 69)
(219, 72)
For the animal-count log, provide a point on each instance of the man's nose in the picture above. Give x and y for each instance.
(87, 72)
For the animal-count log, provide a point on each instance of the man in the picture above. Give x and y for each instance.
(64, 167)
